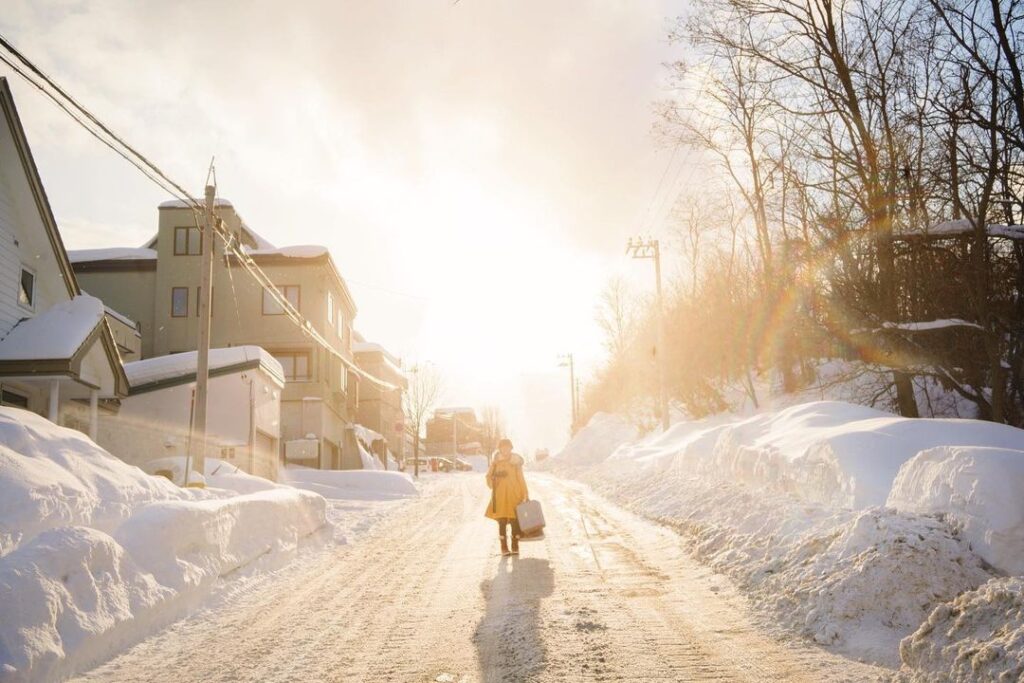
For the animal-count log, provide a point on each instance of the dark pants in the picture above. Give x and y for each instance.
(504, 522)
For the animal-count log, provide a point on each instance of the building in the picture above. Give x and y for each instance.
(244, 420)
(468, 431)
(381, 409)
(58, 355)
(157, 286)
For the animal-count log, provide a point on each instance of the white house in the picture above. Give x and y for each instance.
(58, 356)
(244, 414)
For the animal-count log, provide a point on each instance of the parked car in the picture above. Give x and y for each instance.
(463, 466)
(410, 464)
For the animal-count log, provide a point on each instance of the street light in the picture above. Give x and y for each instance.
(650, 249)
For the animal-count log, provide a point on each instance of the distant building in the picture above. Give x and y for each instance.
(156, 285)
(380, 409)
(244, 420)
(467, 430)
(58, 356)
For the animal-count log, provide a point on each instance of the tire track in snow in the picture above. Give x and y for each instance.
(425, 597)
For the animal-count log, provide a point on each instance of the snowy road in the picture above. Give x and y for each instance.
(426, 597)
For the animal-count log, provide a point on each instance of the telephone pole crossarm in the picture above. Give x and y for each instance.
(651, 249)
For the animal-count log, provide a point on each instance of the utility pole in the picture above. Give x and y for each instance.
(197, 440)
(650, 249)
(567, 362)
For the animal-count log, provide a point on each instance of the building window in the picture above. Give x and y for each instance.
(188, 242)
(10, 398)
(27, 288)
(179, 302)
(295, 364)
(227, 453)
(270, 305)
(341, 326)
(330, 308)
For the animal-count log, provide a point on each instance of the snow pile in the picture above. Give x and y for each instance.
(58, 332)
(977, 637)
(52, 477)
(789, 503)
(682, 440)
(838, 453)
(979, 490)
(363, 484)
(856, 581)
(96, 554)
(219, 474)
(205, 539)
(598, 440)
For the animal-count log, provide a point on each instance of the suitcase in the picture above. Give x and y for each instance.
(531, 518)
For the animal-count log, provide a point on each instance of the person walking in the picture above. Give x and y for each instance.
(508, 489)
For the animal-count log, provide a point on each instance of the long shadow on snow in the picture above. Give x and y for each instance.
(508, 641)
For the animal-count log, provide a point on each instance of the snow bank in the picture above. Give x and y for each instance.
(789, 503)
(854, 581)
(977, 637)
(598, 440)
(352, 484)
(52, 477)
(977, 489)
(96, 554)
(838, 453)
(203, 540)
(218, 474)
(67, 597)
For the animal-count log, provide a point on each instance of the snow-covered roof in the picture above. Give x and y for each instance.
(162, 368)
(181, 204)
(367, 347)
(372, 347)
(112, 254)
(56, 333)
(461, 410)
(295, 251)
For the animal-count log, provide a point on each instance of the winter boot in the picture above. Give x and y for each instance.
(515, 544)
(504, 546)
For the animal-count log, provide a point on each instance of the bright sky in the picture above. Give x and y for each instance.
(475, 168)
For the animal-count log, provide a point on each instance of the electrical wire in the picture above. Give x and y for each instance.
(95, 127)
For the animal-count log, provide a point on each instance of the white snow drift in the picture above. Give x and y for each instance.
(96, 553)
(979, 490)
(789, 503)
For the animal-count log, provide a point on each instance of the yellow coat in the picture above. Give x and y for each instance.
(508, 487)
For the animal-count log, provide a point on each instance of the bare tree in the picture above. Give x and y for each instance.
(492, 428)
(617, 316)
(425, 386)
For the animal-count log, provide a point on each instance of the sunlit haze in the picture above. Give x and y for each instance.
(474, 167)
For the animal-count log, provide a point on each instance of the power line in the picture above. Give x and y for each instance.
(92, 124)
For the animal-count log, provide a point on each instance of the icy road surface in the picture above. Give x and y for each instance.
(426, 597)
